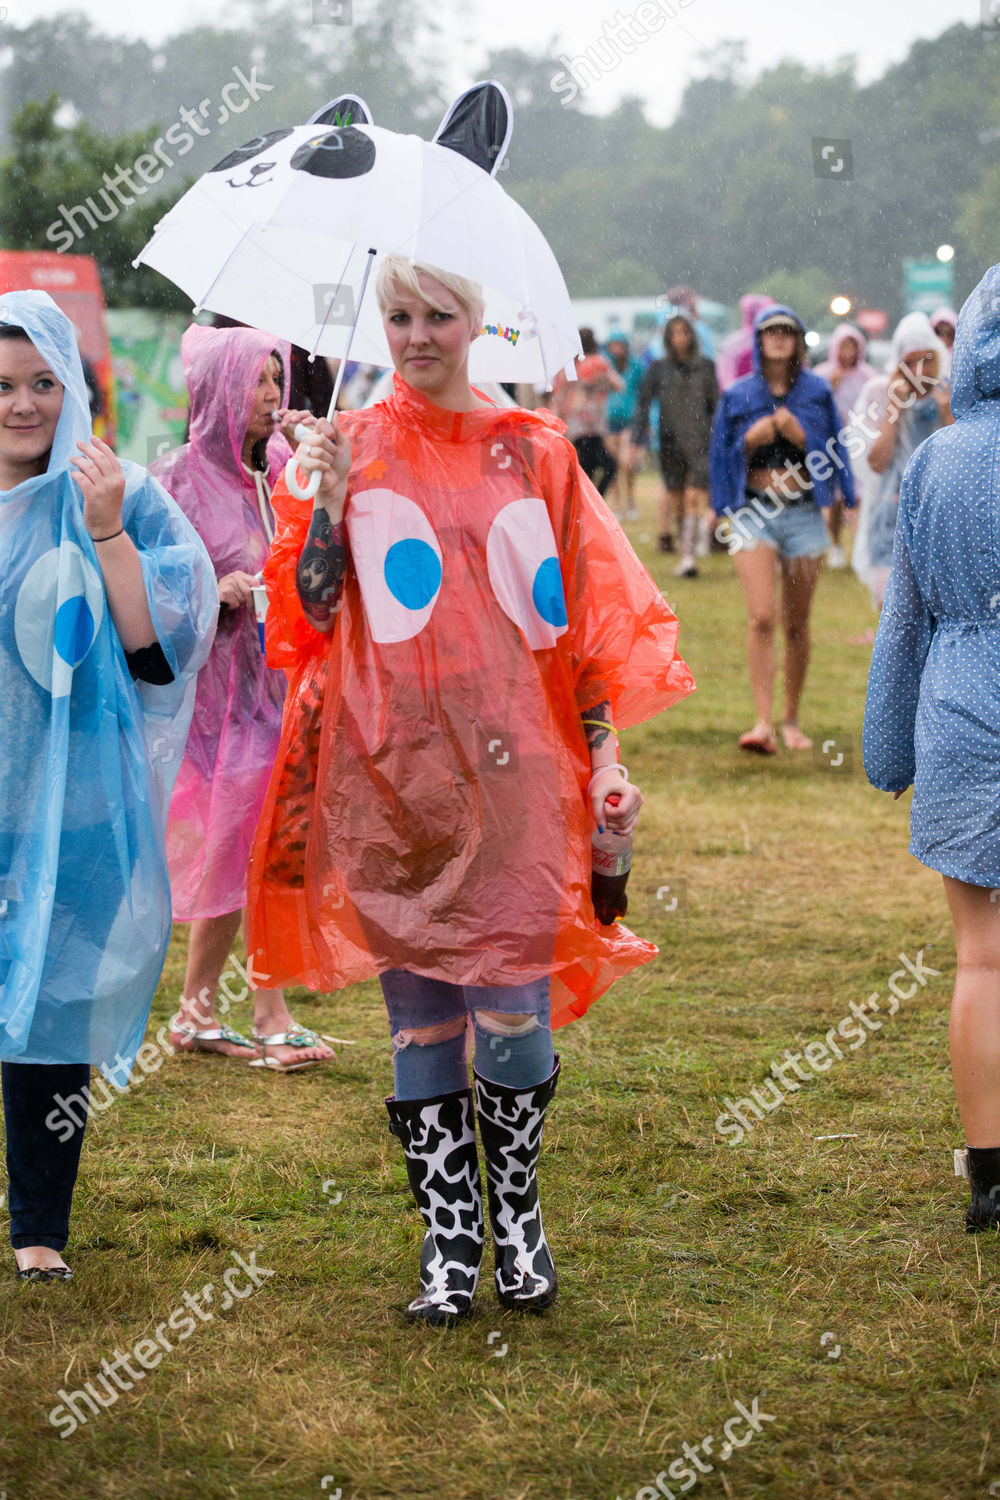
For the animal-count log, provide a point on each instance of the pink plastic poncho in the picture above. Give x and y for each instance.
(736, 354)
(237, 715)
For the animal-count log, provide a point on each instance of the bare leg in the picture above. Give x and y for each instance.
(667, 505)
(755, 568)
(628, 459)
(613, 496)
(975, 1011)
(209, 948)
(271, 1015)
(799, 576)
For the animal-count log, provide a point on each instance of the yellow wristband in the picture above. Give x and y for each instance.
(600, 724)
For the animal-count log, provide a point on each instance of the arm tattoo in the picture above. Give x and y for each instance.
(319, 577)
(597, 724)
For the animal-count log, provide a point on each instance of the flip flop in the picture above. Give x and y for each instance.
(295, 1036)
(221, 1033)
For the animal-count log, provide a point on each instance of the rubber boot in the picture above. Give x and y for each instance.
(510, 1123)
(438, 1137)
(984, 1179)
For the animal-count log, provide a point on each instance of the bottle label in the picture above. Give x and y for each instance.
(603, 863)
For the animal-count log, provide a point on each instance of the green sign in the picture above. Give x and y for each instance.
(927, 284)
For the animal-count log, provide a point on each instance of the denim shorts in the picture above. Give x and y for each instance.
(792, 530)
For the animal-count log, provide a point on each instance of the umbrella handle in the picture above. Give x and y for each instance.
(300, 492)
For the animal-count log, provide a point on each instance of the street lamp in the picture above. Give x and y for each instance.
(840, 306)
(945, 253)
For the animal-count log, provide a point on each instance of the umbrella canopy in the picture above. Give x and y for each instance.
(278, 235)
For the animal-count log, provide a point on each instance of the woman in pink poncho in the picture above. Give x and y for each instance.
(221, 478)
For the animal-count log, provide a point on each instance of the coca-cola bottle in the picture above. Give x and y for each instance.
(610, 862)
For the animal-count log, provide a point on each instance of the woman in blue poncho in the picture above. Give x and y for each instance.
(774, 452)
(932, 716)
(108, 606)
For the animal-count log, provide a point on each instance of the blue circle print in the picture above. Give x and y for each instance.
(413, 572)
(74, 629)
(547, 593)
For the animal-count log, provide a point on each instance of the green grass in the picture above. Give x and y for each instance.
(693, 1273)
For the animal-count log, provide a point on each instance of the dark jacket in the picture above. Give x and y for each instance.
(687, 393)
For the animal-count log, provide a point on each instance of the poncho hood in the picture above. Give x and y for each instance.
(53, 335)
(975, 365)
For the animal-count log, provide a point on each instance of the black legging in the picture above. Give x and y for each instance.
(596, 462)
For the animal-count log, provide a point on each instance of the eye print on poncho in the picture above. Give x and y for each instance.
(524, 571)
(246, 153)
(58, 613)
(336, 153)
(398, 562)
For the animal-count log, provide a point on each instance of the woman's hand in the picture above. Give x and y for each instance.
(236, 589)
(289, 420)
(942, 395)
(329, 451)
(762, 432)
(620, 815)
(101, 480)
(896, 795)
(789, 427)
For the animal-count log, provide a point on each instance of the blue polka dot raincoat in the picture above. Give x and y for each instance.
(932, 715)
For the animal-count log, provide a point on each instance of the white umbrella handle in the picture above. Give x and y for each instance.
(308, 491)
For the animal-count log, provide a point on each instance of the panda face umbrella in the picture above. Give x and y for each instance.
(282, 233)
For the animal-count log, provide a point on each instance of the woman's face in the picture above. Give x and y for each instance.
(267, 400)
(946, 333)
(430, 349)
(921, 367)
(847, 354)
(681, 337)
(779, 342)
(31, 399)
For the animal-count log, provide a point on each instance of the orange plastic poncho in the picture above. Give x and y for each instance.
(428, 808)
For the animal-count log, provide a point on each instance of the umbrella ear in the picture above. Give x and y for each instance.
(346, 109)
(478, 126)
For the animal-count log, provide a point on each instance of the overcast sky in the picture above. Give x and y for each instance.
(878, 32)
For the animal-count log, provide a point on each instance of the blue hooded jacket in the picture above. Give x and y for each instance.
(932, 715)
(87, 756)
(810, 401)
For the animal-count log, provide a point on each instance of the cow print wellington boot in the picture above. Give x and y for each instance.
(510, 1123)
(438, 1137)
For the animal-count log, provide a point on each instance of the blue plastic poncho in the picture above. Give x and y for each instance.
(932, 715)
(87, 756)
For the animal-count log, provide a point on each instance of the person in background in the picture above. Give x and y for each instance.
(620, 413)
(893, 415)
(932, 715)
(583, 406)
(684, 384)
(221, 478)
(847, 370)
(944, 323)
(108, 606)
(775, 446)
(736, 353)
(685, 299)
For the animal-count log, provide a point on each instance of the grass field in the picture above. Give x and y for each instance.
(820, 1265)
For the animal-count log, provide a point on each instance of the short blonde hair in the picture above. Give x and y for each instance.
(397, 271)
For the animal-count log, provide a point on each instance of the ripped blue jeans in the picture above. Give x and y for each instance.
(429, 1022)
